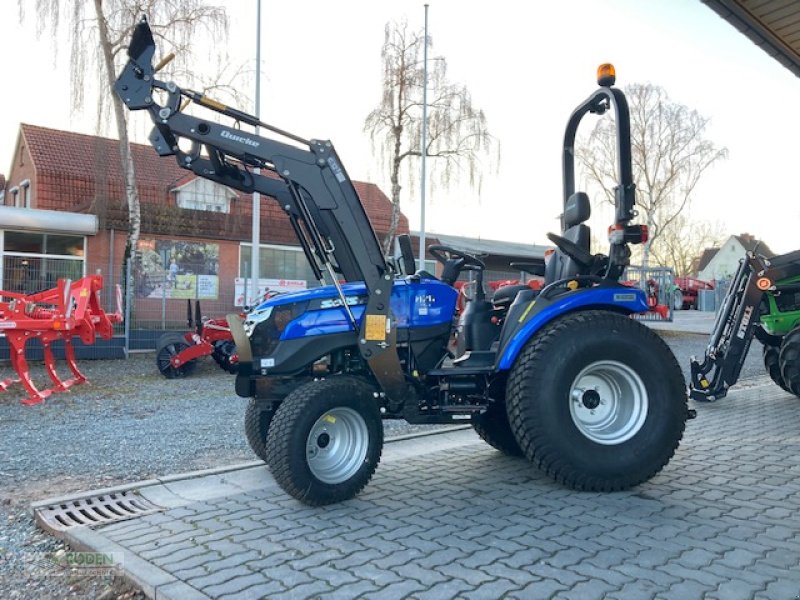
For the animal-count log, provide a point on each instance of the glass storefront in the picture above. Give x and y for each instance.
(33, 262)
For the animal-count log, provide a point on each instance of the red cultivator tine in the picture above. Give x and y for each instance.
(69, 356)
(17, 342)
(66, 311)
(50, 363)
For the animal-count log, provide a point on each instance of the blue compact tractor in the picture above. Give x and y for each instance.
(563, 377)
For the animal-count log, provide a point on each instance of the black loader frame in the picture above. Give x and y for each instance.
(738, 321)
(333, 229)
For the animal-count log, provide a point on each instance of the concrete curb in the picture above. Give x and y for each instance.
(172, 491)
(153, 581)
(143, 485)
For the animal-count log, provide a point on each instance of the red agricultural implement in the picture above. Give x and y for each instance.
(177, 353)
(71, 309)
(689, 289)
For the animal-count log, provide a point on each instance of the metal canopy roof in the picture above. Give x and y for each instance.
(773, 25)
(491, 247)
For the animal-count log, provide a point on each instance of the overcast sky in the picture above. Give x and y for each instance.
(527, 64)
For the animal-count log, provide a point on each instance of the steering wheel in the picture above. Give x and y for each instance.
(443, 254)
(575, 252)
(454, 261)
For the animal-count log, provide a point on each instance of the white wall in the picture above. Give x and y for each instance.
(725, 261)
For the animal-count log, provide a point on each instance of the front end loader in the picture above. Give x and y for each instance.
(561, 376)
(761, 302)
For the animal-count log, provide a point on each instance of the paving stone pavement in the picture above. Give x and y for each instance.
(450, 517)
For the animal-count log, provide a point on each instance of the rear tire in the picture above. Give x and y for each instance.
(168, 346)
(789, 361)
(771, 356)
(597, 401)
(325, 440)
(494, 429)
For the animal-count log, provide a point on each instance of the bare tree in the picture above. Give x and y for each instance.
(457, 132)
(681, 244)
(669, 153)
(99, 32)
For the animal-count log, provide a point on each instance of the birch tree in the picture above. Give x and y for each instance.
(682, 243)
(99, 31)
(670, 154)
(457, 132)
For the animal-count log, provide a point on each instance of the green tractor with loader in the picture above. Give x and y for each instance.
(763, 301)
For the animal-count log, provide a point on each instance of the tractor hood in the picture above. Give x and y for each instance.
(319, 311)
(327, 292)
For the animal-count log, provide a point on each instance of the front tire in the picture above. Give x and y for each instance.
(257, 418)
(325, 440)
(789, 361)
(597, 401)
(260, 410)
(771, 355)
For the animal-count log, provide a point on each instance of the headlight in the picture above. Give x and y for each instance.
(254, 318)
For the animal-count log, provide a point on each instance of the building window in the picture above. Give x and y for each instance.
(25, 199)
(34, 262)
(429, 266)
(14, 196)
(194, 202)
(201, 194)
(278, 262)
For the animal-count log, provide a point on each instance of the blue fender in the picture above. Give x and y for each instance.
(629, 300)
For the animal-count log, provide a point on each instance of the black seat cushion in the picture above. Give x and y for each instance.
(577, 209)
(507, 293)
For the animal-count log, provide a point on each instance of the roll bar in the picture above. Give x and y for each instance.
(598, 103)
(621, 233)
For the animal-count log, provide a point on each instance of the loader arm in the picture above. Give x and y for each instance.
(738, 320)
(306, 178)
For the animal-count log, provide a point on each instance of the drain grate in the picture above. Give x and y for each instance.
(94, 510)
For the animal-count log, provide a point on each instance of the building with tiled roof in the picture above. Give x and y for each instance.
(183, 219)
(722, 262)
(701, 262)
(81, 173)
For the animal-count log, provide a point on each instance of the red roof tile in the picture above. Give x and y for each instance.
(93, 158)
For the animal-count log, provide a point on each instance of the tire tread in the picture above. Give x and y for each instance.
(537, 442)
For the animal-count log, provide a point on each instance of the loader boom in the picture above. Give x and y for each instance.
(738, 320)
(305, 177)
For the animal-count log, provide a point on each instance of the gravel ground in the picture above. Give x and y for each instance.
(131, 424)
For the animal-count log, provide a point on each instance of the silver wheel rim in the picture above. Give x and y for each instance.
(608, 402)
(337, 445)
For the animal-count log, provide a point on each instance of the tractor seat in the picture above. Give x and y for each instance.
(505, 295)
(577, 211)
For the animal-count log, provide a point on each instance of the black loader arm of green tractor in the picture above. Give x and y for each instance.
(737, 322)
(305, 177)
